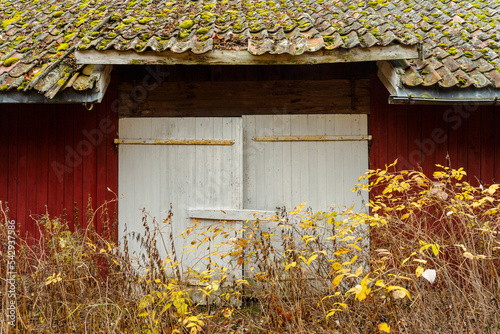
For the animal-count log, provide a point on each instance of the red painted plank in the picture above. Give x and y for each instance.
(414, 136)
(497, 144)
(440, 137)
(461, 124)
(31, 169)
(4, 155)
(427, 144)
(69, 164)
(474, 147)
(77, 151)
(392, 133)
(22, 139)
(52, 132)
(88, 150)
(487, 145)
(13, 160)
(450, 117)
(42, 170)
(402, 136)
(58, 168)
(100, 136)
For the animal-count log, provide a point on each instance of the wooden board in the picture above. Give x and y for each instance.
(285, 174)
(236, 98)
(153, 177)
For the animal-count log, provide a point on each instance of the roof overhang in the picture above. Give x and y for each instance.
(69, 95)
(390, 72)
(232, 57)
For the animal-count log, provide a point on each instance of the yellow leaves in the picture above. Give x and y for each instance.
(227, 312)
(359, 271)
(419, 271)
(53, 279)
(398, 292)
(405, 216)
(336, 281)
(308, 238)
(383, 327)
(492, 189)
(334, 310)
(342, 251)
(290, 265)
(298, 209)
(434, 247)
(468, 255)
(336, 266)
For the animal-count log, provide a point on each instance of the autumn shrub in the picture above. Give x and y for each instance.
(423, 257)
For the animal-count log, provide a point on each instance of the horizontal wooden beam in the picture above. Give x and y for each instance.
(231, 57)
(311, 138)
(236, 98)
(120, 141)
(230, 214)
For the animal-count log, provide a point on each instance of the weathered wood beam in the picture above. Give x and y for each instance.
(235, 98)
(311, 138)
(390, 76)
(123, 141)
(230, 214)
(219, 57)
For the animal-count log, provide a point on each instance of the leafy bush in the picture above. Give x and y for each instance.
(424, 259)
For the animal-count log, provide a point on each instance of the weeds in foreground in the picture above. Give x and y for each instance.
(424, 260)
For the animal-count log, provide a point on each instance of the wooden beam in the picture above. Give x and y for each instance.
(312, 138)
(236, 98)
(229, 57)
(120, 141)
(390, 76)
(230, 214)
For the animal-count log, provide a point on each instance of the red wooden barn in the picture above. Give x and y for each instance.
(237, 105)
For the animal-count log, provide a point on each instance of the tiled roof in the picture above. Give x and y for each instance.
(38, 38)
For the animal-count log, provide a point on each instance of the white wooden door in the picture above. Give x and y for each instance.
(183, 162)
(227, 168)
(290, 159)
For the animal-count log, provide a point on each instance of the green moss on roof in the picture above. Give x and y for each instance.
(58, 13)
(10, 61)
(187, 24)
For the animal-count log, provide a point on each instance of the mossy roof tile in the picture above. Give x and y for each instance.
(459, 37)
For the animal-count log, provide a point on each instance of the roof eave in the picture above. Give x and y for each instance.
(390, 74)
(446, 96)
(69, 96)
(233, 57)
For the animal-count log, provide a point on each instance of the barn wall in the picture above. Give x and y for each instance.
(422, 136)
(56, 157)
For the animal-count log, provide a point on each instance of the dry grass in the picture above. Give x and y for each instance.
(303, 272)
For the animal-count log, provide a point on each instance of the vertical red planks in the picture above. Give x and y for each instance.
(474, 147)
(487, 145)
(469, 134)
(4, 155)
(497, 144)
(89, 143)
(69, 163)
(12, 124)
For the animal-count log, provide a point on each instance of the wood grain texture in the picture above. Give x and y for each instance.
(236, 98)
